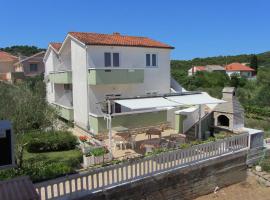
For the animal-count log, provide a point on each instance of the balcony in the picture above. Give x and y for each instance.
(61, 77)
(64, 111)
(100, 76)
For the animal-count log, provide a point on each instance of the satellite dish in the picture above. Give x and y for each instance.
(6, 145)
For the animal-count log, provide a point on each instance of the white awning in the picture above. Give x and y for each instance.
(170, 101)
(195, 99)
(145, 103)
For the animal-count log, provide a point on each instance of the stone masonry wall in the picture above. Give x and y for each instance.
(185, 183)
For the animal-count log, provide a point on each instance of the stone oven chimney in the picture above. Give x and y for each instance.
(116, 33)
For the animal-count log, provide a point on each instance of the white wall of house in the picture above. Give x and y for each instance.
(246, 74)
(156, 79)
(80, 85)
(49, 67)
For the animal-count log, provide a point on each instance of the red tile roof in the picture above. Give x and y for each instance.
(4, 56)
(199, 68)
(117, 39)
(56, 45)
(238, 67)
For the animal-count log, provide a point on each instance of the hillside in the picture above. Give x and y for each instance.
(184, 65)
(23, 50)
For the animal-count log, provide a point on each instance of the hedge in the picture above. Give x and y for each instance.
(50, 141)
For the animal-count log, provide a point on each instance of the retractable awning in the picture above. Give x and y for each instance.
(195, 99)
(146, 103)
(169, 101)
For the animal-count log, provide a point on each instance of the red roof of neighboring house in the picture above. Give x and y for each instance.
(4, 56)
(238, 67)
(116, 39)
(56, 45)
(199, 68)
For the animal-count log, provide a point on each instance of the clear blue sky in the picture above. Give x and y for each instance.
(196, 28)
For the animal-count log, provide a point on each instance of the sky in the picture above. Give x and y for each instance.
(196, 28)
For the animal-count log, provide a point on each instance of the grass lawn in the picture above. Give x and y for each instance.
(57, 156)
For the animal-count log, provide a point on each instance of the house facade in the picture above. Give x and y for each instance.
(31, 66)
(208, 68)
(6, 66)
(239, 69)
(87, 68)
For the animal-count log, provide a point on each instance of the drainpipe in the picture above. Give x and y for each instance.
(87, 91)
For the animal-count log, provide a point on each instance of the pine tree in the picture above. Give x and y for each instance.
(254, 62)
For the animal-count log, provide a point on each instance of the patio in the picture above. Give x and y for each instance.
(135, 143)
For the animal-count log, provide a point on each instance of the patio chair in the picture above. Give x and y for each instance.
(164, 145)
(132, 140)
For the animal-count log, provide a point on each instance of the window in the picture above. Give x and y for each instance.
(116, 59)
(111, 59)
(33, 67)
(148, 62)
(151, 60)
(154, 60)
(67, 86)
(107, 58)
(117, 108)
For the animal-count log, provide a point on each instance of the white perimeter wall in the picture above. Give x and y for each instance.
(79, 80)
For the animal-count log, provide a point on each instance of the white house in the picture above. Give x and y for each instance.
(239, 69)
(89, 68)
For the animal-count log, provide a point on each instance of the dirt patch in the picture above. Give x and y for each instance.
(248, 190)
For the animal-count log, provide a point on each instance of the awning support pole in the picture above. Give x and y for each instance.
(109, 125)
(200, 121)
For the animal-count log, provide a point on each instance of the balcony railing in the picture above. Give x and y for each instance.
(64, 111)
(61, 77)
(99, 76)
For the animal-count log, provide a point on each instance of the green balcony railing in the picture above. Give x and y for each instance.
(115, 76)
(61, 77)
(64, 112)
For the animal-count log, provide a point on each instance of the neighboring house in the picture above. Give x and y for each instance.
(32, 65)
(239, 69)
(208, 68)
(6, 66)
(88, 70)
(195, 69)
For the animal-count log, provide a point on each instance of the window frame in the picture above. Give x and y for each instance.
(151, 60)
(112, 62)
(31, 65)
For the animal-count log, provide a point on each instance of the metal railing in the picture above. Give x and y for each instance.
(98, 179)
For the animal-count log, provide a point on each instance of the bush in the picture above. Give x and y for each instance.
(265, 164)
(98, 152)
(50, 141)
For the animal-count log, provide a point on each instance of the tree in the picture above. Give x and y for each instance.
(254, 63)
(23, 50)
(27, 109)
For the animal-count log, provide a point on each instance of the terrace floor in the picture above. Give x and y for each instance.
(128, 152)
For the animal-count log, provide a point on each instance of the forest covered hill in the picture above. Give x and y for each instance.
(22, 50)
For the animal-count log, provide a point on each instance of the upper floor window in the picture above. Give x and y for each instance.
(111, 59)
(33, 67)
(151, 60)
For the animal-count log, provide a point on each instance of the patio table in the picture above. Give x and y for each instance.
(120, 129)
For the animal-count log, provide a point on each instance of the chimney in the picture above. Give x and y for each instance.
(116, 33)
(228, 93)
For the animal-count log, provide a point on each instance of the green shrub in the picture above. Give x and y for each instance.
(50, 141)
(98, 152)
(265, 164)
(184, 146)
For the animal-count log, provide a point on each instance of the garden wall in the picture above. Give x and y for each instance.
(185, 183)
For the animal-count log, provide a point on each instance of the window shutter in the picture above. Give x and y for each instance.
(116, 59)
(148, 60)
(107, 59)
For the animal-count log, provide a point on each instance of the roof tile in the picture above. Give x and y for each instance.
(238, 67)
(117, 39)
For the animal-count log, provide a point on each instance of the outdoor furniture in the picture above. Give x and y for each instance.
(149, 145)
(153, 131)
(120, 129)
(119, 141)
